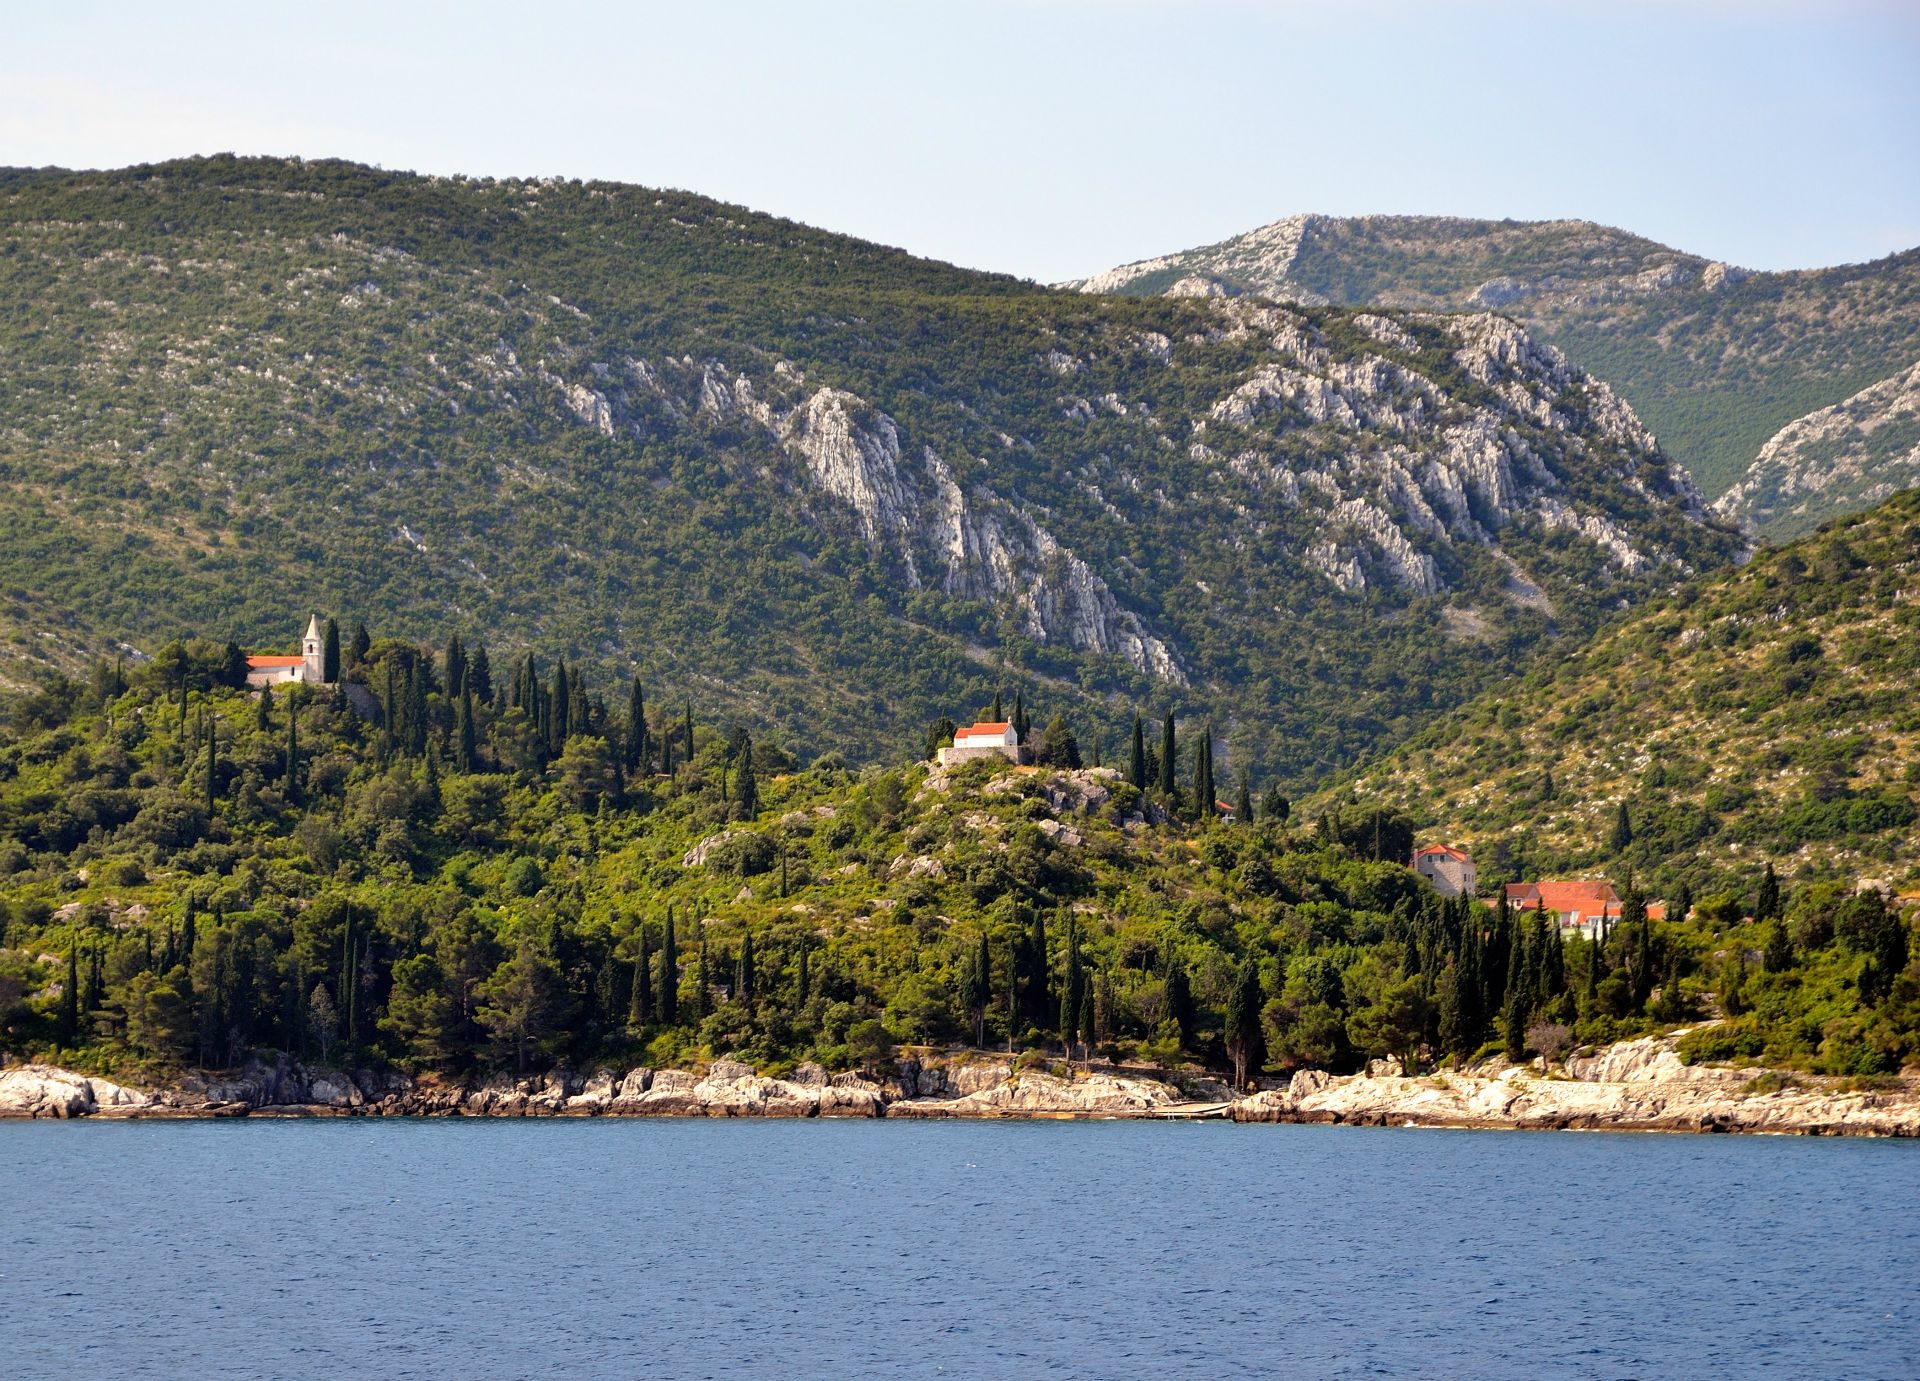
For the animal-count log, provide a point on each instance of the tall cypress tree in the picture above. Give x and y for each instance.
(416, 710)
(743, 972)
(669, 1004)
(1203, 797)
(562, 707)
(1137, 756)
(1167, 757)
(636, 742)
(976, 991)
(1622, 833)
(702, 993)
(1243, 803)
(1767, 904)
(480, 674)
(456, 665)
(70, 993)
(466, 738)
(213, 754)
(330, 653)
(689, 729)
(641, 1004)
(1070, 982)
(749, 792)
(290, 779)
(361, 645)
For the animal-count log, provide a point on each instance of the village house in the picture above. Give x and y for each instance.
(1450, 870)
(1582, 907)
(986, 739)
(309, 668)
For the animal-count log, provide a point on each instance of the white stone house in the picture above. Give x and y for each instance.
(309, 668)
(1450, 870)
(982, 740)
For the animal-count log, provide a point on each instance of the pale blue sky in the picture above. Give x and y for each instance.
(1054, 137)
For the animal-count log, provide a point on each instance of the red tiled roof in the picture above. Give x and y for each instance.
(263, 663)
(1444, 851)
(982, 728)
(1589, 896)
(1222, 805)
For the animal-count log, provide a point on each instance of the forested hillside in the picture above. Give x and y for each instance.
(819, 484)
(502, 875)
(1767, 714)
(1714, 358)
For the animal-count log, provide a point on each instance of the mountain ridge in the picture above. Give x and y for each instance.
(813, 481)
(1717, 359)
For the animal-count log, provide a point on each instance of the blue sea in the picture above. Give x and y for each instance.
(376, 1248)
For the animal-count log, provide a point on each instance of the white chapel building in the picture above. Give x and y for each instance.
(309, 668)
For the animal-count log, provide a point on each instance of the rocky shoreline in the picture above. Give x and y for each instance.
(1636, 1086)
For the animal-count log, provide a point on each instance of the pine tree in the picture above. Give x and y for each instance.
(330, 653)
(1137, 757)
(669, 1004)
(1167, 757)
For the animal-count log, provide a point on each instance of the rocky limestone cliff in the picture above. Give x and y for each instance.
(1840, 459)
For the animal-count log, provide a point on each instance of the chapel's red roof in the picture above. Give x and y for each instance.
(983, 727)
(265, 663)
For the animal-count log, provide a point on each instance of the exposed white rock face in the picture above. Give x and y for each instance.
(1368, 464)
(1260, 256)
(1407, 466)
(1847, 456)
(591, 407)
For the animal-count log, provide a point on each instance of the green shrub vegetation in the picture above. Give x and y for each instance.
(1761, 714)
(451, 865)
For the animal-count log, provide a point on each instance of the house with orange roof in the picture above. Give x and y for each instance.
(985, 739)
(1451, 871)
(1582, 906)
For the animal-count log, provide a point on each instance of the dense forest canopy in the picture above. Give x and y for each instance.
(451, 864)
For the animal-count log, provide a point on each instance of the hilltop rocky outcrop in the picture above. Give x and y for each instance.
(1637, 1085)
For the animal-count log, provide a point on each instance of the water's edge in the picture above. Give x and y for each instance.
(1635, 1086)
